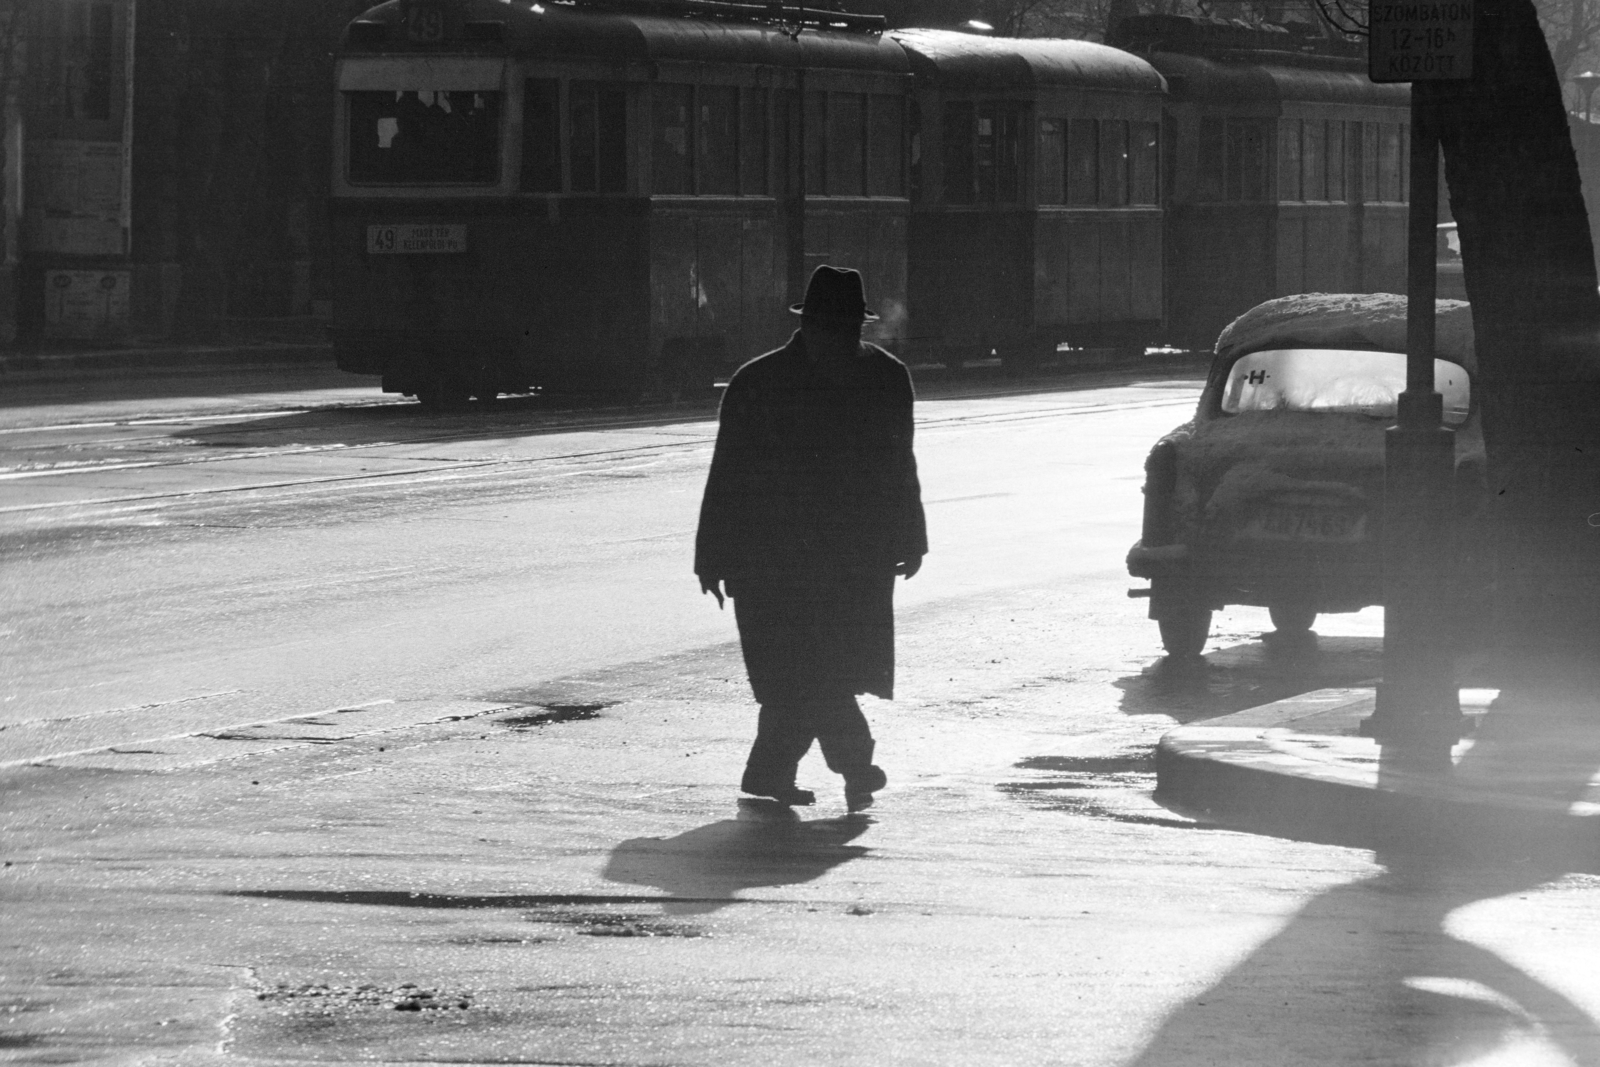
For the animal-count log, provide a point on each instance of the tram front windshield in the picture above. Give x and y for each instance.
(423, 136)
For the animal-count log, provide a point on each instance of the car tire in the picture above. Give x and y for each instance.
(1184, 630)
(1292, 619)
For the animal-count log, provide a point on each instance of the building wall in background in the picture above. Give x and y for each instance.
(166, 166)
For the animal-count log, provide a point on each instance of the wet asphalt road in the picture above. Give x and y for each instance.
(520, 844)
(197, 563)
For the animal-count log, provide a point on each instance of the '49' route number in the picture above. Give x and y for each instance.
(425, 23)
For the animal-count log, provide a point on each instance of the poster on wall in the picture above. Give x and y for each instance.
(76, 202)
(86, 304)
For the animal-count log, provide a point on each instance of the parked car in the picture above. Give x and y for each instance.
(1272, 494)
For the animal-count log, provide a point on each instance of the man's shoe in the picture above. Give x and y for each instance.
(860, 785)
(782, 792)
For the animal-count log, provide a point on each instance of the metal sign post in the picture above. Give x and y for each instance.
(1418, 713)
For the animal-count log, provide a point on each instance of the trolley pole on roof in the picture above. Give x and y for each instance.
(796, 237)
(1418, 714)
(795, 231)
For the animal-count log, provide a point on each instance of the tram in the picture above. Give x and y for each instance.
(1285, 169)
(595, 197)
(624, 195)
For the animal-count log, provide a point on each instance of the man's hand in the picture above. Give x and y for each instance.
(909, 567)
(714, 587)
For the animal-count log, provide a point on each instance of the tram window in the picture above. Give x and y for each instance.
(1314, 160)
(1113, 163)
(958, 161)
(1336, 161)
(1083, 163)
(816, 146)
(423, 135)
(1247, 160)
(999, 153)
(847, 135)
(1145, 182)
(914, 149)
(1052, 161)
(753, 143)
(541, 135)
(984, 154)
(1214, 150)
(672, 156)
(785, 140)
(1403, 150)
(886, 146)
(598, 137)
(1353, 162)
(1369, 161)
(717, 140)
(1389, 162)
(1289, 159)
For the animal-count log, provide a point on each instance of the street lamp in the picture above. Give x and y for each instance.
(1586, 83)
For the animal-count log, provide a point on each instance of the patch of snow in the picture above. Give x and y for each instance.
(1347, 320)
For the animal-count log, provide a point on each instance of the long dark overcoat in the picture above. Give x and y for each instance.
(811, 501)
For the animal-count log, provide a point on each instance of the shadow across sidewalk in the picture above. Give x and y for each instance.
(1388, 962)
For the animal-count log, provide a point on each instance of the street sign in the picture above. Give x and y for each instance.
(1417, 40)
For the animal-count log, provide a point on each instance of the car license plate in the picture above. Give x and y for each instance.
(400, 238)
(1288, 523)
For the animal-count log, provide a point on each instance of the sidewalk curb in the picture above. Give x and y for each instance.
(66, 366)
(1297, 768)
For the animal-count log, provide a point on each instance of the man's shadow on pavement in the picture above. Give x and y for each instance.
(1371, 972)
(766, 845)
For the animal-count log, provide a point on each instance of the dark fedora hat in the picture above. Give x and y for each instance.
(835, 293)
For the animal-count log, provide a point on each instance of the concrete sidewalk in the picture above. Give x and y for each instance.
(1528, 772)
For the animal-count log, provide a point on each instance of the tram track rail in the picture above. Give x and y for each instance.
(457, 469)
(106, 506)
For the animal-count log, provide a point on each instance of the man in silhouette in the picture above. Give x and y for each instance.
(811, 509)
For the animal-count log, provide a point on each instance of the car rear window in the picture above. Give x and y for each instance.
(1338, 380)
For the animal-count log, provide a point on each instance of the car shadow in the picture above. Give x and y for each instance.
(1248, 674)
(765, 845)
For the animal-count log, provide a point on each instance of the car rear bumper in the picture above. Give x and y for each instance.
(1330, 577)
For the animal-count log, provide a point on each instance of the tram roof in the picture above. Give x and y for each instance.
(614, 32)
(967, 59)
(1199, 78)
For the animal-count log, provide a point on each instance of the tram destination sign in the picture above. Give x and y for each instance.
(400, 238)
(1419, 40)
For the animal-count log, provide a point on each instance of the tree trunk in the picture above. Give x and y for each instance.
(1530, 274)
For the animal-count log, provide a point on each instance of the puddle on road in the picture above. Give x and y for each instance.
(556, 713)
(616, 924)
(323, 999)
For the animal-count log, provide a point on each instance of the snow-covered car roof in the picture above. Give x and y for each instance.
(1346, 320)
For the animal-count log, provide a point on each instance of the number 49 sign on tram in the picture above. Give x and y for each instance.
(1419, 40)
